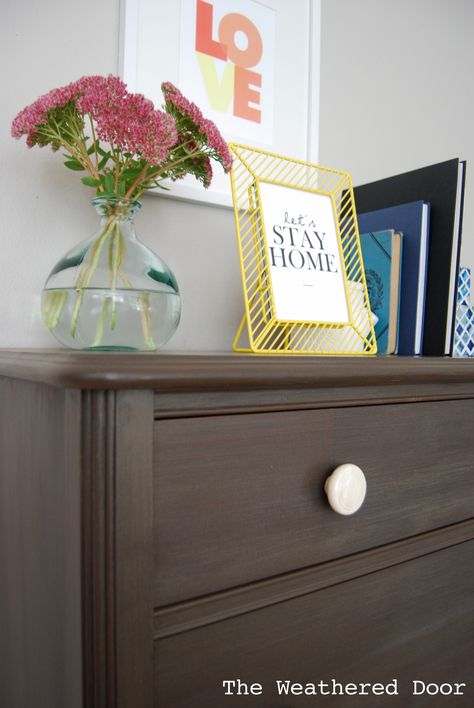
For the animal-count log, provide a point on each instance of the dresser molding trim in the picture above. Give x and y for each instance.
(187, 616)
(166, 373)
(98, 548)
(117, 524)
(231, 403)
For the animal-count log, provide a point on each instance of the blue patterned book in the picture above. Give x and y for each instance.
(412, 220)
(381, 253)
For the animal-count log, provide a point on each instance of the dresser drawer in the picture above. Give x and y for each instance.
(241, 497)
(413, 621)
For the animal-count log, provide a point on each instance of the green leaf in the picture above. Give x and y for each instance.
(107, 194)
(74, 165)
(121, 188)
(92, 148)
(132, 173)
(104, 161)
(90, 181)
(109, 182)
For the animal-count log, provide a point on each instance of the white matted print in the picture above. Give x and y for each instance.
(304, 255)
(264, 90)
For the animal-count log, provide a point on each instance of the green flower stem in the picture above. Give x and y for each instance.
(73, 141)
(95, 145)
(125, 279)
(101, 324)
(160, 170)
(76, 130)
(53, 308)
(144, 299)
(116, 256)
(137, 182)
(113, 274)
(75, 314)
(88, 270)
(116, 253)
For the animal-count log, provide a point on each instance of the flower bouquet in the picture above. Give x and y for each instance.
(111, 292)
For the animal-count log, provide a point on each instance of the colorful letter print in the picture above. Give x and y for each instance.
(227, 64)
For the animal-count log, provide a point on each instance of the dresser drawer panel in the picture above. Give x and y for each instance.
(413, 621)
(239, 498)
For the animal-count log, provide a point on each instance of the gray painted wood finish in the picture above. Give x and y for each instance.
(250, 488)
(410, 621)
(40, 546)
(162, 523)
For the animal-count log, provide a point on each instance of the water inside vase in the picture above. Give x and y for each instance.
(107, 319)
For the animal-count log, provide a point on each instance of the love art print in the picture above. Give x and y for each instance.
(227, 63)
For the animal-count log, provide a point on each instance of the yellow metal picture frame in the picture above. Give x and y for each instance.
(267, 333)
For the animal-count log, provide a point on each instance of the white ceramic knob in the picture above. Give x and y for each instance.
(346, 488)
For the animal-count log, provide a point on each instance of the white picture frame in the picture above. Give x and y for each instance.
(151, 50)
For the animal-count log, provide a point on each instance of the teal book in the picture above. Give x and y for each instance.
(381, 253)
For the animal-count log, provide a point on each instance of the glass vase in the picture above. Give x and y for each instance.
(111, 292)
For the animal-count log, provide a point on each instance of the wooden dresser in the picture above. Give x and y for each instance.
(164, 528)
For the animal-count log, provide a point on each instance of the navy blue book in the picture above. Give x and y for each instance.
(381, 253)
(412, 220)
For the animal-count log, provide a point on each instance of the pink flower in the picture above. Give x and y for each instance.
(126, 120)
(208, 130)
(95, 92)
(142, 129)
(31, 117)
(208, 177)
(129, 121)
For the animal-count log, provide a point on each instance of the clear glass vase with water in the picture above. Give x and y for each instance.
(111, 292)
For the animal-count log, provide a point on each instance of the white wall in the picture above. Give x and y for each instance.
(397, 89)
(396, 94)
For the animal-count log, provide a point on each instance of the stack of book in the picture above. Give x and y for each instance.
(410, 231)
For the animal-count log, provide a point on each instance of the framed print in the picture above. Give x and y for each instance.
(301, 262)
(252, 67)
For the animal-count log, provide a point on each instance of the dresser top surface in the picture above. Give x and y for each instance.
(225, 372)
